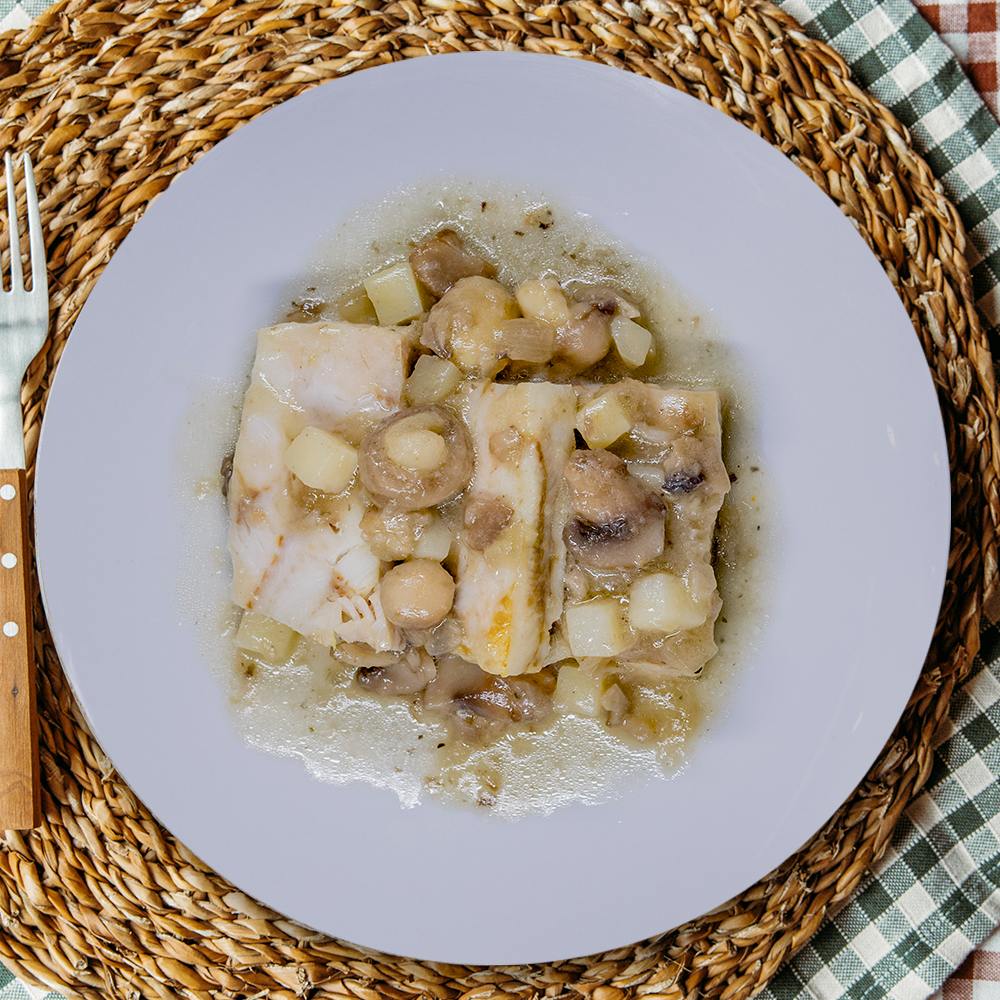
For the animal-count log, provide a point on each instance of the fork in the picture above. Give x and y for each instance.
(24, 322)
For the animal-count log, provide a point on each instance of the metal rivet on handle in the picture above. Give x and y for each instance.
(8, 560)
(7, 492)
(10, 629)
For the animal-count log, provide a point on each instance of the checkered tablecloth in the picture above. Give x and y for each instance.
(935, 896)
(970, 31)
(978, 977)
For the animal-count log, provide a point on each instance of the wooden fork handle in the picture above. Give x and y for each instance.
(20, 798)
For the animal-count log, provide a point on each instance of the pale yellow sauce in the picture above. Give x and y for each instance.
(311, 708)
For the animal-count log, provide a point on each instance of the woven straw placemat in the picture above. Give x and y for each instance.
(112, 100)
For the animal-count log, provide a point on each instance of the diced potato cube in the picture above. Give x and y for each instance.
(661, 602)
(394, 294)
(431, 380)
(577, 692)
(323, 461)
(633, 341)
(596, 628)
(603, 421)
(434, 541)
(543, 298)
(265, 639)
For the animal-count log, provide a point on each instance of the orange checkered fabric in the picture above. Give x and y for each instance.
(970, 30)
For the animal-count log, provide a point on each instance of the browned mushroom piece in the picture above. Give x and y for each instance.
(586, 338)
(485, 519)
(694, 471)
(610, 301)
(442, 259)
(407, 673)
(416, 458)
(481, 702)
(619, 520)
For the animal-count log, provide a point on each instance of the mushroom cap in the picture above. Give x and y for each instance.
(417, 594)
(412, 489)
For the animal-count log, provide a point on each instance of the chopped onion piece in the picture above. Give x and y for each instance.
(603, 421)
(434, 541)
(525, 339)
(616, 703)
(633, 341)
(265, 638)
(578, 692)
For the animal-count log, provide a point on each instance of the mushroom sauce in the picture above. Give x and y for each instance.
(472, 511)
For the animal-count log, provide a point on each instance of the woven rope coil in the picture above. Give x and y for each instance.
(112, 100)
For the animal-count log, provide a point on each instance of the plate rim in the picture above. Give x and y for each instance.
(478, 56)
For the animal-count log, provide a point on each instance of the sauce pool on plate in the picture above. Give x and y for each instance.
(523, 609)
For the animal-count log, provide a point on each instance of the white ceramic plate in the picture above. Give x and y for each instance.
(848, 420)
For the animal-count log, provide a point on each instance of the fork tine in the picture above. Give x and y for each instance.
(16, 273)
(36, 239)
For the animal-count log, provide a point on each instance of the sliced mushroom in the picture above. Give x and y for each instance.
(610, 301)
(484, 520)
(411, 485)
(619, 521)
(527, 698)
(407, 674)
(443, 259)
(461, 689)
(683, 480)
(693, 464)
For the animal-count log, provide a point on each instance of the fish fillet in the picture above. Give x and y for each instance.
(680, 431)
(306, 564)
(508, 596)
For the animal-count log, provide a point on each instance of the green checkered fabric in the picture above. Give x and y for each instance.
(17, 15)
(935, 895)
(12, 988)
(898, 59)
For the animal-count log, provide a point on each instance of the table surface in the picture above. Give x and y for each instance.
(969, 29)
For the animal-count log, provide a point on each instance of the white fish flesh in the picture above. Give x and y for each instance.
(299, 558)
(508, 595)
(679, 432)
